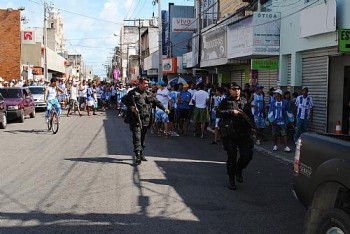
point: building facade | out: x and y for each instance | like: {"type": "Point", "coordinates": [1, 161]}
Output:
{"type": "Point", "coordinates": [10, 49]}
{"type": "Point", "coordinates": [310, 57]}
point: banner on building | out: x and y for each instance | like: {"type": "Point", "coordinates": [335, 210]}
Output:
{"type": "Point", "coordinates": [169, 65]}
{"type": "Point", "coordinates": [184, 25]}
{"type": "Point", "coordinates": [256, 35]}
{"type": "Point", "coordinates": [266, 36]}
{"type": "Point", "coordinates": [241, 38]}
{"type": "Point", "coordinates": [28, 37]}
{"type": "Point", "coordinates": [214, 47]}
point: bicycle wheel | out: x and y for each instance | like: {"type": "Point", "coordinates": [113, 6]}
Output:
{"type": "Point", "coordinates": [49, 122]}
{"type": "Point", "coordinates": [55, 122]}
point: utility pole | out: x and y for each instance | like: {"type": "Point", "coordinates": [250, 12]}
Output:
{"type": "Point", "coordinates": [199, 15]}
{"type": "Point", "coordinates": [160, 46]}
{"type": "Point", "coordinates": [45, 41]}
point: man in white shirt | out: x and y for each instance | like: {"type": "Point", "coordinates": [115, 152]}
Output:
{"type": "Point", "coordinates": [82, 94]}
{"type": "Point", "coordinates": [201, 100]}
{"type": "Point", "coordinates": [164, 98]}
{"type": "Point", "coordinates": [73, 100]}
{"type": "Point", "coordinates": [304, 105]}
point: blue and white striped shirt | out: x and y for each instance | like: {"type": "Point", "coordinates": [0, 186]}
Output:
{"type": "Point", "coordinates": [304, 106]}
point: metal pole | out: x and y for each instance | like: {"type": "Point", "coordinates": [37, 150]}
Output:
{"type": "Point", "coordinates": [160, 48]}
{"type": "Point", "coordinates": [45, 42]}
{"type": "Point", "coordinates": [199, 14]}
{"type": "Point", "coordinates": [140, 69]}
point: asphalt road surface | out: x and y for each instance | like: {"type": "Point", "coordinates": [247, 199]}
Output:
{"type": "Point", "coordinates": [83, 180]}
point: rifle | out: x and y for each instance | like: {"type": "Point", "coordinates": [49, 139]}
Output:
{"type": "Point", "coordinates": [137, 110]}
{"type": "Point", "coordinates": [246, 117]}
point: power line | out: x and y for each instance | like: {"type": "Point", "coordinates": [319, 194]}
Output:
{"type": "Point", "coordinates": [75, 13]}
{"type": "Point", "coordinates": [129, 9]}
{"type": "Point", "coordinates": [135, 8]}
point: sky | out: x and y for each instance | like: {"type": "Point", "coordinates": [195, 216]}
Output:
{"type": "Point", "coordinates": [90, 25]}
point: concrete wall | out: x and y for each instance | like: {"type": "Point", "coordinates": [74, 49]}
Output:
{"type": "Point", "coordinates": [10, 44]}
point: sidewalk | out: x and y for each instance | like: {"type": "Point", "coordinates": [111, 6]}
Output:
{"type": "Point", "coordinates": [266, 147]}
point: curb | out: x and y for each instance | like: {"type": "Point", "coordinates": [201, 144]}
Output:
{"type": "Point", "coordinates": [265, 151]}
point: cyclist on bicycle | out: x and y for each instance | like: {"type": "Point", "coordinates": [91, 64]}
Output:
{"type": "Point", "coordinates": [50, 97]}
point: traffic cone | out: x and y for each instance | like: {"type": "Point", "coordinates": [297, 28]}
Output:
{"type": "Point", "coordinates": [338, 128]}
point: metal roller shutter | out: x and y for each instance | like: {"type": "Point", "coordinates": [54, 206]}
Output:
{"type": "Point", "coordinates": [289, 77]}
{"type": "Point", "coordinates": [238, 77]}
{"type": "Point", "coordinates": [315, 74]}
{"type": "Point", "coordinates": [268, 79]}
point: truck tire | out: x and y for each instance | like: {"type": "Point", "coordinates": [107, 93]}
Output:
{"type": "Point", "coordinates": [334, 221]}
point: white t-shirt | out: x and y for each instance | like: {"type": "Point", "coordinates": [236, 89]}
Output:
{"type": "Point", "coordinates": [73, 93]}
{"type": "Point", "coordinates": [83, 93]}
{"type": "Point", "coordinates": [163, 97]}
{"type": "Point", "coordinates": [192, 91]}
{"type": "Point", "coordinates": [200, 97]}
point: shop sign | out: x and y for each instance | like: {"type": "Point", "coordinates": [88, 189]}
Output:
{"type": "Point", "coordinates": [152, 72]}
{"type": "Point", "coordinates": [28, 37]}
{"type": "Point", "coordinates": [266, 33]}
{"type": "Point", "coordinates": [344, 40]}
{"type": "Point", "coordinates": [241, 38]}
{"type": "Point", "coordinates": [214, 47]}
{"type": "Point", "coordinates": [184, 25]}
{"type": "Point", "coordinates": [264, 64]}
{"type": "Point", "coordinates": [187, 60]}
{"type": "Point", "coordinates": [169, 65]}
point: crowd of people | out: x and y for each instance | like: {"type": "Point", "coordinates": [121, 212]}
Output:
{"type": "Point", "coordinates": [287, 114]}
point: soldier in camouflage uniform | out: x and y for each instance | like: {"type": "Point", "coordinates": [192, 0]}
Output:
{"type": "Point", "coordinates": [139, 103]}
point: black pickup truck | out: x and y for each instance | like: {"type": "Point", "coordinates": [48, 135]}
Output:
{"type": "Point", "coordinates": [322, 182]}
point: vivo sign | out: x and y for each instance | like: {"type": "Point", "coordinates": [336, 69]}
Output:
{"type": "Point", "coordinates": [183, 25]}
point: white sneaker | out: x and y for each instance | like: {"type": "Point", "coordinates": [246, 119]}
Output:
{"type": "Point", "coordinates": [174, 134]}
{"type": "Point", "coordinates": [287, 149]}
{"type": "Point", "coordinates": [275, 148]}
{"type": "Point", "coordinates": [257, 142]}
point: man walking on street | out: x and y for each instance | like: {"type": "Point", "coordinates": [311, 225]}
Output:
{"type": "Point", "coordinates": [304, 105]}
{"type": "Point", "coordinates": [139, 103]}
{"type": "Point", "coordinates": [235, 128]}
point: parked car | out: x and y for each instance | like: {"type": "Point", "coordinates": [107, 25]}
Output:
{"type": "Point", "coordinates": [19, 102]}
{"type": "Point", "coordinates": [38, 94]}
{"type": "Point", "coordinates": [322, 181]}
{"type": "Point", "coordinates": [3, 115]}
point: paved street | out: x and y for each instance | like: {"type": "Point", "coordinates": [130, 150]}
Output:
{"type": "Point", "coordinates": [83, 180]}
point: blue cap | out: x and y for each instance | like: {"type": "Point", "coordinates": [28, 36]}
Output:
{"type": "Point", "coordinates": [259, 86]}
{"type": "Point", "coordinates": [162, 83]}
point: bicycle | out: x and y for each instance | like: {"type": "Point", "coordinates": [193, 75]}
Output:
{"type": "Point", "coordinates": [53, 120]}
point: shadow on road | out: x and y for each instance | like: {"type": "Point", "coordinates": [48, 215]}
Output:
{"type": "Point", "coordinates": [102, 160]}
{"type": "Point", "coordinates": [31, 131]}
{"type": "Point", "coordinates": [92, 223]}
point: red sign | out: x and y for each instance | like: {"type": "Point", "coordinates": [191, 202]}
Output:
{"type": "Point", "coordinates": [28, 36]}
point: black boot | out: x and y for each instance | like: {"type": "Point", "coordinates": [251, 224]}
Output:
{"type": "Point", "coordinates": [231, 185]}
{"type": "Point", "coordinates": [239, 176]}
{"type": "Point", "coordinates": [138, 158]}
{"type": "Point", "coordinates": [143, 158]}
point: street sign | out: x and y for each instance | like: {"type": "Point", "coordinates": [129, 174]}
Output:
{"type": "Point", "coordinates": [265, 64]}
{"type": "Point", "coordinates": [344, 40]}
